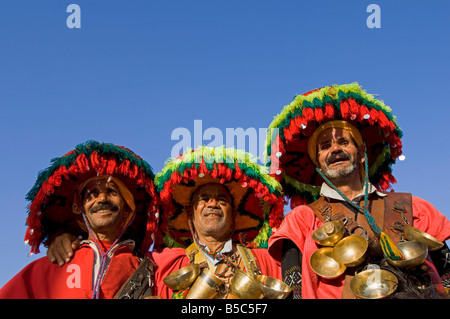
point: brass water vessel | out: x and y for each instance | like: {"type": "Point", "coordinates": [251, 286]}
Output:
{"type": "Point", "coordinates": [324, 265]}
{"type": "Point", "coordinates": [206, 286]}
{"type": "Point", "coordinates": [242, 286]}
{"type": "Point", "coordinates": [351, 251]}
{"type": "Point", "coordinates": [182, 278]}
{"type": "Point", "coordinates": [329, 233]}
{"type": "Point", "coordinates": [373, 283]}
{"type": "Point", "coordinates": [272, 287]}
{"type": "Point", "coordinates": [415, 253]}
{"type": "Point", "coordinates": [414, 234]}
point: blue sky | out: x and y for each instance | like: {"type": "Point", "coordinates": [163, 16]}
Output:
{"type": "Point", "coordinates": [137, 70]}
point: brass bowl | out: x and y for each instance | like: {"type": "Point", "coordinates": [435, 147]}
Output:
{"type": "Point", "coordinates": [329, 233]}
{"type": "Point", "coordinates": [414, 234]}
{"type": "Point", "coordinates": [182, 278]}
{"type": "Point", "coordinates": [324, 265]}
{"type": "Point", "coordinates": [272, 287]}
{"type": "Point", "coordinates": [373, 284]}
{"type": "Point", "coordinates": [242, 286]}
{"type": "Point", "coordinates": [415, 253]}
{"type": "Point", "coordinates": [351, 251]}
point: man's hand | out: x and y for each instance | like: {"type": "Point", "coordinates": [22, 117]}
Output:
{"type": "Point", "coordinates": [62, 248]}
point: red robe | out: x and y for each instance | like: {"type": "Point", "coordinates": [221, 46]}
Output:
{"type": "Point", "coordinates": [300, 223]}
{"type": "Point", "coordinates": [172, 259]}
{"type": "Point", "coordinates": [42, 279]}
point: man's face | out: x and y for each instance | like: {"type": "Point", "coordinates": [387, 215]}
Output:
{"type": "Point", "coordinates": [104, 207]}
{"type": "Point", "coordinates": [212, 211]}
{"type": "Point", "coordinates": [337, 154]}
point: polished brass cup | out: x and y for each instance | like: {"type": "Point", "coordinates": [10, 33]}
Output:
{"type": "Point", "coordinates": [351, 251]}
{"type": "Point", "coordinates": [415, 253]}
{"type": "Point", "coordinates": [242, 286]}
{"type": "Point", "coordinates": [272, 287]}
{"type": "Point", "coordinates": [414, 234]}
{"type": "Point", "coordinates": [373, 284]}
{"type": "Point", "coordinates": [324, 265]}
{"type": "Point", "coordinates": [182, 278]}
{"type": "Point", "coordinates": [329, 233]}
{"type": "Point", "coordinates": [206, 286]}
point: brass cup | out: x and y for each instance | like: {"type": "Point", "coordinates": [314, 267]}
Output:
{"type": "Point", "coordinates": [242, 286]}
{"type": "Point", "coordinates": [206, 286]}
{"type": "Point", "coordinates": [324, 265]}
{"type": "Point", "coordinates": [373, 284]}
{"type": "Point", "coordinates": [414, 234]}
{"type": "Point", "coordinates": [272, 287]}
{"type": "Point", "coordinates": [329, 233]}
{"type": "Point", "coordinates": [182, 278]}
{"type": "Point", "coordinates": [415, 253]}
{"type": "Point", "coordinates": [351, 251]}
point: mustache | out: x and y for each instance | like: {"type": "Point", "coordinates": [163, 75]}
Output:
{"type": "Point", "coordinates": [107, 205]}
{"type": "Point", "coordinates": [340, 155]}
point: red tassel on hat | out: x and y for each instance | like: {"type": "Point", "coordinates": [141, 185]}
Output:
{"type": "Point", "coordinates": [287, 134]}
{"type": "Point", "coordinates": [345, 110]}
{"type": "Point", "coordinates": [318, 114]}
{"type": "Point", "coordinates": [354, 106]}
{"type": "Point", "coordinates": [111, 167]}
{"type": "Point", "coordinates": [237, 171]}
{"type": "Point", "coordinates": [308, 114]}
{"type": "Point", "coordinates": [329, 111]}
{"type": "Point", "coordinates": [82, 164]}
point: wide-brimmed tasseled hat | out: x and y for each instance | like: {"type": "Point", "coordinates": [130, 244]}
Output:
{"type": "Point", "coordinates": [50, 211]}
{"type": "Point", "coordinates": [290, 131]}
{"type": "Point", "coordinates": [256, 196]}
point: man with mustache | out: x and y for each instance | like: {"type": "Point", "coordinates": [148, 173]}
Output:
{"type": "Point", "coordinates": [335, 152]}
{"type": "Point", "coordinates": [104, 194]}
{"type": "Point", "coordinates": [219, 210]}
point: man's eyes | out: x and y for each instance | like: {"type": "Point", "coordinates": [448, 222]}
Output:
{"type": "Point", "coordinates": [326, 146]}
{"type": "Point", "coordinates": [96, 193]}
{"type": "Point", "coordinates": [222, 201]}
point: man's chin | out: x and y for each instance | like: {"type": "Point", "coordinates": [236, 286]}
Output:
{"type": "Point", "coordinates": [339, 171]}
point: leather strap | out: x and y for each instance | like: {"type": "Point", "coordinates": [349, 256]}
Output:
{"type": "Point", "coordinates": [196, 256]}
{"type": "Point", "coordinates": [139, 285]}
{"type": "Point", "coordinates": [398, 209]}
{"type": "Point", "coordinates": [249, 261]}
